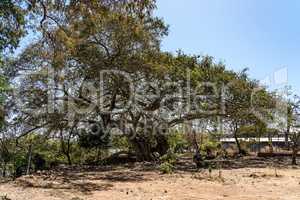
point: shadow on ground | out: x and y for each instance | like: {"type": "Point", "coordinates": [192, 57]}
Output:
{"type": "Point", "coordinates": [83, 179]}
{"type": "Point", "coordinates": [185, 164]}
{"type": "Point", "coordinates": [88, 179]}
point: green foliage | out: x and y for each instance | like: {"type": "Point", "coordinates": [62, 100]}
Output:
{"type": "Point", "coordinates": [166, 168]}
{"type": "Point", "coordinates": [210, 145]}
{"type": "Point", "coordinates": [177, 142]}
{"type": "Point", "coordinates": [19, 163]}
{"type": "Point", "coordinates": [94, 138]}
{"type": "Point", "coordinates": [12, 24]}
{"type": "Point", "coordinates": [12, 29]}
{"type": "Point", "coordinates": [79, 155]}
{"type": "Point", "coordinates": [170, 157]}
{"type": "Point", "coordinates": [168, 162]}
{"type": "Point", "coordinates": [121, 142]}
{"type": "Point", "coordinates": [82, 40]}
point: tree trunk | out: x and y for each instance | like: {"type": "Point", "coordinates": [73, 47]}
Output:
{"type": "Point", "coordinates": [198, 160]}
{"type": "Point", "coordinates": [286, 137]}
{"type": "Point", "coordinates": [162, 145]}
{"type": "Point", "coordinates": [67, 154]}
{"type": "Point", "coordinates": [142, 149]}
{"type": "Point", "coordinates": [29, 160]}
{"type": "Point", "coordinates": [259, 145]}
{"type": "Point", "coordinates": [69, 159]}
{"type": "Point", "coordinates": [271, 149]}
{"type": "Point", "coordinates": [66, 150]}
{"type": "Point", "coordinates": [241, 151]}
{"type": "Point", "coordinates": [98, 155]}
{"type": "Point", "coordinates": [4, 169]}
{"type": "Point", "coordinates": [294, 156]}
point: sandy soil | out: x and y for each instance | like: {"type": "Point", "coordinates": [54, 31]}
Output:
{"type": "Point", "coordinates": [137, 183]}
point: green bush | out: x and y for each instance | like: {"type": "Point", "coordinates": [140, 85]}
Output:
{"type": "Point", "coordinates": [177, 142]}
{"type": "Point", "coordinates": [20, 164]}
{"type": "Point", "coordinates": [210, 145]}
{"type": "Point", "coordinates": [169, 157]}
{"type": "Point", "coordinates": [211, 148]}
{"type": "Point", "coordinates": [166, 168]}
{"type": "Point", "coordinates": [121, 142]}
{"type": "Point", "coordinates": [168, 162]}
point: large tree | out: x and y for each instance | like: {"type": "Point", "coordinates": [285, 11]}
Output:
{"type": "Point", "coordinates": [98, 64]}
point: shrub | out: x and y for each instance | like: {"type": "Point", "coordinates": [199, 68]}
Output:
{"type": "Point", "coordinates": [167, 162]}
{"type": "Point", "coordinates": [39, 162]}
{"type": "Point", "coordinates": [177, 142]}
{"type": "Point", "coordinates": [210, 149]}
{"type": "Point", "coordinates": [169, 157]}
{"type": "Point", "coordinates": [166, 168]}
{"type": "Point", "coordinates": [121, 142]}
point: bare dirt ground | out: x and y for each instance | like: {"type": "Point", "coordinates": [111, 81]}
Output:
{"type": "Point", "coordinates": [142, 182]}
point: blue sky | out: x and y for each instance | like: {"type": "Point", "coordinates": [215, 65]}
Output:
{"type": "Point", "coordinates": [263, 35]}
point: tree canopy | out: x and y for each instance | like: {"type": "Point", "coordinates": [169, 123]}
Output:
{"type": "Point", "coordinates": [98, 67]}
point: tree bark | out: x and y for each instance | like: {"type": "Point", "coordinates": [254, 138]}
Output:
{"type": "Point", "coordinates": [29, 160]}
{"type": "Point", "coordinates": [198, 160]}
{"type": "Point", "coordinates": [66, 150]}
{"type": "Point", "coordinates": [142, 148]}
{"type": "Point", "coordinates": [240, 150]}
{"type": "Point", "coordinates": [294, 156]}
{"type": "Point", "coordinates": [98, 155]}
{"type": "Point", "coordinates": [69, 159]}
{"type": "Point", "coordinates": [286, 137]}
{"type": "Point", "coordinates": [4, 169]}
